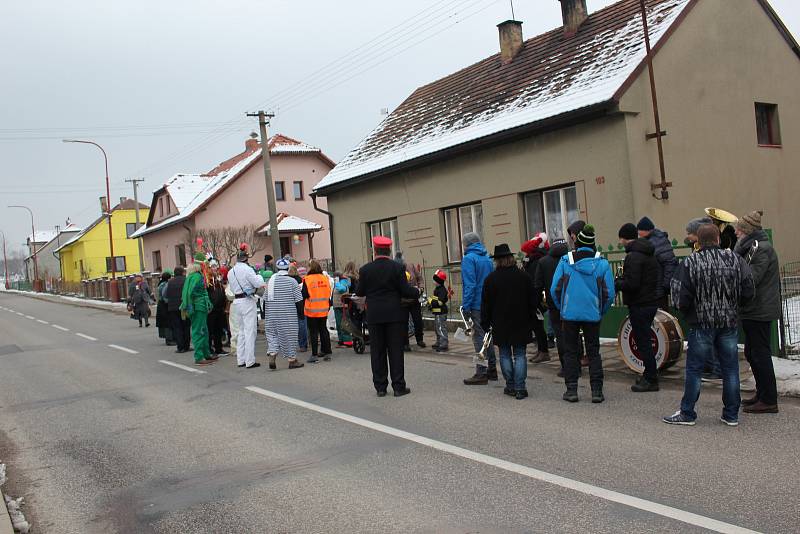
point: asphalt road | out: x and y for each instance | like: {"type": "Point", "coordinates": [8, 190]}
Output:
{"type": "Point", "coordinates": [100, 439]}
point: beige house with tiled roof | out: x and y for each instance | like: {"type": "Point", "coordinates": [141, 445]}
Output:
{"type": "Point", "coordinates": [555, 129]}
{"type": "Point", "coordinates": [234, 195]}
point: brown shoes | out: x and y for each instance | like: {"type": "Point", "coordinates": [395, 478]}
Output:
{"type": "Point", "coordinates": [760, 407]}
{"type": "Point", "coordinates": [749, 402]}
{"type": "Point", "coordinates": [477, 380]}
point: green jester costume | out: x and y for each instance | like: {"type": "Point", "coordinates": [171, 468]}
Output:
{"type": "Point", "coordinates": [196, 304]}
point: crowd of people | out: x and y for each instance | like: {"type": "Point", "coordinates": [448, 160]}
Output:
{"type": "Point", "coordinates": [729, 281]}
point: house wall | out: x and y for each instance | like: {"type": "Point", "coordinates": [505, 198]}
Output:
{"type": "Point", "coordinates": [496, 177]}
{"type": "Point", "coordinates": [49, 265]}
{"type": "Point", "coordinates": [93, 249]}
{"type": "Point", "coordinates": [724, 57]}
{"type": "Point", "coordinates": [165, 241]}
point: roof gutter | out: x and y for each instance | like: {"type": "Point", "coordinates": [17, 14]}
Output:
{"type": "Point", "coordinates": [558, 122]}
{"type": "Point", "coordinates": [313, 196]}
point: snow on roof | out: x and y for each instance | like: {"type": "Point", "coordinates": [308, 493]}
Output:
{"type": "Point", "coordinates": [42, 236]}
{"type": "Point", "coordinates": [551, 75]}
{"type": "Point", "coordinates": [290, 223]}
{"type": "Point", "coordinates": [190, 191]}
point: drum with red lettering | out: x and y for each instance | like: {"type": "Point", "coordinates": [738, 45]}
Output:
{"type": "Point", "coordinates": [666, 336]}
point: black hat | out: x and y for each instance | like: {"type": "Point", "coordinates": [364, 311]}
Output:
{"type": "Point", "coordinates": [501, 251]}
{"type": "Point", "coordinates": [646, 225]}
{"type": "Point", "coordinates": [586, 237]}
{"type": "Point", "coordinates": [628, 231]}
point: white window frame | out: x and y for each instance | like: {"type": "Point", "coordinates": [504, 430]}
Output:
{"type": "Point", "coordinates": [378, 226]}
{"type": "Point", "coordinates": [477, 226]}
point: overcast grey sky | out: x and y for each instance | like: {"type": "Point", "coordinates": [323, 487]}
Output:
{"type": "Point", "coordinates": [163, 84]}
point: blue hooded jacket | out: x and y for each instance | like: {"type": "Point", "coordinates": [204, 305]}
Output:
{"type": "Point", "coordinates": [475, 267]}
{"type": "Point", "coordinates": [583, 290]}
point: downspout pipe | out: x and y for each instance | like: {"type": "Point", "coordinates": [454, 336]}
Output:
{"type": "Point", "coordinates": [330, 229]}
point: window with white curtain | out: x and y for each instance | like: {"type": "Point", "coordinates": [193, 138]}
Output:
{"type": "Point", "coordinates": [551, 211]}
{"type": "Point", "coordinates": [458, 222]}
{"type": "Point", "coordinates": [385, 228]}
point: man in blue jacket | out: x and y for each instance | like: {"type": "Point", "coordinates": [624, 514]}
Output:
{"type": "Point", "coordinates": [475, 267]}
{"type": "Point", "coordinates": [583, 291]}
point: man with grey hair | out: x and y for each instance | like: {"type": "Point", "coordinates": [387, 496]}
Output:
{"type": "Point", "coordinates": [475, 267]}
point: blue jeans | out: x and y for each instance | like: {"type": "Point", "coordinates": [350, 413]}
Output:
{"type": "Point", "coordinates": [514, 367]}
{"type": "Point", "coordinates": [702, 342]}
{"type": "Point", "coordinates": [477, 342]}
{"type": "Point", "coordinates": [302, 333]}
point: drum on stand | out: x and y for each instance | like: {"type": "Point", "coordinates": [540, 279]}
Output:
{"type": "Point", "coordinates": [666, 336]}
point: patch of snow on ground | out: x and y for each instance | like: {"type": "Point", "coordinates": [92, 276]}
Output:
{"type": "Point", "coordinates": [787, 375]}
{"type": "Point", "coordinates": [17, 517]}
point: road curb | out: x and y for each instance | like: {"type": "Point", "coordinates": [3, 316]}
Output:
{"type": "Point", "coordinates": [5, 518]}
{"type": "Point", "coordinates": [78, 302]}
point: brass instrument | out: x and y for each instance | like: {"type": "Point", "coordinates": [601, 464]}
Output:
{"type": "Point", "coordinates": [467, 322]}
{"type": "Point", "coordinates": [480, 357]}
{"type": "Point", "coordinates": [721, 217]}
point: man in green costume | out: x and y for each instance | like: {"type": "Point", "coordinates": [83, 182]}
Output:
{"type": "Point", "coordinates": [196, 305]}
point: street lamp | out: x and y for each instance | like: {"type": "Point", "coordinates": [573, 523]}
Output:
{"type": "Point", "coordinates": [5, 262]}
{"type": "Point", "coordinates": [33, 248]}
{"type": "Point", "coordinates": [113, 290]}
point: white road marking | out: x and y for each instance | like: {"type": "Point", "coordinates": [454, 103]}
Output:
{"type": "Point", "coordinates": [40, 321]}
{"type": "Point", "coordinates": [60, 328]}
{"type": "Point", "coordinates": [123, 349]}
{"type": "Point", "coordinates": [84, 336]}
{"type": "Point", "coordinates": [184, 367]}
{"type": "Point", "coordinates": [536, 474]}
{"type": "Point", "coordinates": [20, 314]}
{"type": "Point", "coordinates": [31, 317]}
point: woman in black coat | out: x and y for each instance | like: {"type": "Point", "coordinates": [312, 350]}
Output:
{"type": "Point", "coordinates": [509, 309]}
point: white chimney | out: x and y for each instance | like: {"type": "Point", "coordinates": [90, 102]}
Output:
{"type": "Point", "coordinates": [574, 13]}
{"type": "Point", "coordinates": [510, 40]}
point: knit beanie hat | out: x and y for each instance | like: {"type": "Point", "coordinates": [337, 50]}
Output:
{"type": "Point", "coordinates": [646, 225]}
{"type": "Point", "coordinates": [470, 238]}
{"type": "Point", "coordinates": [282, 264]}
{"type": "Point", "coordinates": [695, 224]}
{"type": "Point", "coordinates": [750, 223]}
{"type": "Point", "coordinates": [586, 237]}
{"type": "Point", "coordinates": [628, 231]}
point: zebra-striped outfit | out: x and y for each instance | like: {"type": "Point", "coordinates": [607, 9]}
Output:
{"type": "Point", "coordinates": [281, 326]}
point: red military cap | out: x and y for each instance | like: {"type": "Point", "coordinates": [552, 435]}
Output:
{"type": "Point", "coordinates": [380, 241]}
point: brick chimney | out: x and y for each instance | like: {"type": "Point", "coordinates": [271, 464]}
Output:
{"type": "Point", "coordinates": [510, 40]}
{"type": "Point", "coordinates": [574, 13]}
{"type": "Point", "coordinates": [251, 144]}
{"type": "Point", "coordinates": [122, 200]}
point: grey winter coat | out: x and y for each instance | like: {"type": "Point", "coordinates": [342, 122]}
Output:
{"type": "Point", "coordinates": [763, 260]}
{"type": "Point", "coordinates": [666, 258]}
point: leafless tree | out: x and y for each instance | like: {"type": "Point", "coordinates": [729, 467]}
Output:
{"type": "Point", "coordinates": [224, 242]}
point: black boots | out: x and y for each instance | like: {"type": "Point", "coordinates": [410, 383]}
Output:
{"type": "Point", "coordinates": [644, 385]}
{"type": "Point", "coordinates": [597, 394]}
{"type": "Point", "coordinates": [571, 395]}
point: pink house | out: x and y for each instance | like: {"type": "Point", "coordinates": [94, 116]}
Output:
{"type": "Point", "coordinates": [233, 196]}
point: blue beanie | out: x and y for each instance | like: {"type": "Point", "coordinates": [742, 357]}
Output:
{"type": "Point", "coordinates": [646, 225]}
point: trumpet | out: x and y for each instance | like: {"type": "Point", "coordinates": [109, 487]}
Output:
{"type": "Point", "coordinates": [487, 342]}
{"type": "Point", "coordinates": [467, 322]}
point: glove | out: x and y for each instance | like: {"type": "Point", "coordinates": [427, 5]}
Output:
{"type": "Point", "coordinates": [184, 315]}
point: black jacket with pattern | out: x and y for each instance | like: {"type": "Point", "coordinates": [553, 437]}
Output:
{"type": "Point", "coordinates": [709, 286]}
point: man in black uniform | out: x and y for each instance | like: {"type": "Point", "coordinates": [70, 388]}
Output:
{"type": "Point", "coordinates": [383, 282]}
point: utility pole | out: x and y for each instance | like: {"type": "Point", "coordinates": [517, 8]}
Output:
{"type": "Point", "coordinates": [5, 263]}
{"type": "Point", "coordinates": [263, 123]}
{"type": "Point", "coordinates": [135, 182]}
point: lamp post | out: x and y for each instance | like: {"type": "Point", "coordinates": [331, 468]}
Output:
{"type": "Point", "coordinates": [113, 289]}
{"type": "Point", "coordinates": [33, 249]}
{"type": "Point", "coordinates": [5, 262]}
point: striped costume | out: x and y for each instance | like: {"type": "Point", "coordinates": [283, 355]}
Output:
{"type": "Point", "coordinates": [281, 325]}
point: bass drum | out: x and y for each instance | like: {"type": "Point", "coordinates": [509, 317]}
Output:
{"type": "Point", "coordinates": [665, 334]}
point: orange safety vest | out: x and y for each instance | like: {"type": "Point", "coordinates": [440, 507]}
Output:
{"type": "Point", "coordinates": [319, 291]}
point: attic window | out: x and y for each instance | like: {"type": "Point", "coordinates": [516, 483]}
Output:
{"type": "Point", "coordinates": [768, 127]}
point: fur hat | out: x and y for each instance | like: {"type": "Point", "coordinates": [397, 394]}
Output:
{"type": "Point", "coordinates": [628, 231]}
{"type": "Point", "coordinates": [576, 227]}
{"type": "Point", "coordinates": [646, 225]}
{"type": "Point", "coordinates": [750, 223]}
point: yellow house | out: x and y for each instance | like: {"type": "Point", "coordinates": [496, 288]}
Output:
{"type": "Point", "coordinates": [87, 256]}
